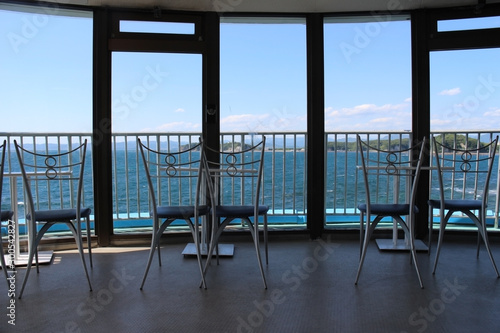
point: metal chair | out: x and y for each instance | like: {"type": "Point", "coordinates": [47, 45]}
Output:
{"type": "Point", "coordinates": [390, 181]}
{"type": "Point", "coordinates": [174, 181]}
{"type": "Point", "coordinates": [235, 189]}
{"type": "Point", "coordinates": [5, 215]}
{"type": "Point", "coordinates": [57, 180]}
{"type": "Point", "coordinates": [469, 165]}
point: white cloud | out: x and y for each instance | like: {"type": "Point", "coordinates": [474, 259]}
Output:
{"type": "Point", "coordinates": [451, 92]}
{"type": "Point", "coordinates": [382, 120]}
{"type": "Point", "coordinates": [363, 109]}
{"type": "Point", "coordinates": [178, 126]}
{"type": "Point", "coordinates": [440, 122]}
{"type": "Point", "coordinates": [180, 110]}
{"type": "Point", "coordinates": [492, 113]}
{"type": "Point", "coordinates": [369, 117]}
{"type": "Point", "coordinates": [267, 122]}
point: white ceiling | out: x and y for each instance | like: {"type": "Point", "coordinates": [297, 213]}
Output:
{"type": "Point", "coordinates": [279, 6]}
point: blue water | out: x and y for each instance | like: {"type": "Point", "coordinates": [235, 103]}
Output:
{"type": "Point", "coordinates": [285, 192]}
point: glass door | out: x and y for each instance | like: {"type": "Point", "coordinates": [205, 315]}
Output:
{"type": "Point", "coordinates": [157, 97]}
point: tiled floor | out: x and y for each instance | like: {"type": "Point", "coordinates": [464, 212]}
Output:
{"type": "Point", "coordinates": [310, 289]}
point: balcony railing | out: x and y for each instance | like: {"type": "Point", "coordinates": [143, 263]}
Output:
{"type": "Point", "coordinates": [285, 180]}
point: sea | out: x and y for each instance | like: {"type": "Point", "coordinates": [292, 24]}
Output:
{"type": "Point", "coordinates": [284, 186]}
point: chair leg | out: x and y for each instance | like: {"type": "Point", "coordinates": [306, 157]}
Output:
{"type": "Point", "coordinates": [33, 245]}
{"type": "Point", "coordinates": [431, 222]}
{"type": "Point", "coordinates": [214, 239]}
{"type": "Point", "coordinates": [361, 232]}
{"type": "Point", "coordinates": [31, 254]}
{"type": "Point", "coordinates": [265, 239]}
{"type": "Point", "coordinates": [415, 262]}
{"type": "Point", "coordinates": [154, 241]}
{"type": "Point", "coordinates": [442, 227]}
{"type": "Point", "coordinates": [155, 231]}
{"type": "Point", "coordinates": [364, 240]}
{"type": "Point", "coordinates": [196, 238]}
{"type": "Point", "coordinates": [36, 255]}
{"type": "Point", "coordinates": [89, 241]}
{"type": "Point", "coordinates": [255, 233]}
{"type": "Point", "coordinates": [77, 233]}
{"type": "Point", "coordinates": [414, 255]}
{"type": "Point", "coordinates": [482, 231]}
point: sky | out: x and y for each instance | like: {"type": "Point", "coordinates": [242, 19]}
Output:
{"type": "Point", "coordinates": [46, 79]}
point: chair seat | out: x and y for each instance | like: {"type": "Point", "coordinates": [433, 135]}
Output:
{"type": "Point", "coordinates": [457, 205]}
{"type": "Point", "coordinates": [6, 215]}
{"type": "Point", "coordinates": [60, 215]}
{"type": "Point", "coordinates": [387, 209]}
{"type": "Point", "coordinates": [238, 211]}
{"type": "Point", "coordinates": [180, 212]}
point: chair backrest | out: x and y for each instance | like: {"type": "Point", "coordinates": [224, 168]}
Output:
{"type": "Point", "coordinates": [464, 172]}
{"type": "Point", "coordinates": [173, 176]}
{"type": "Point", "coordinates": [391, 175]}
{"type": "Point", "coordinates": [52, 180]}
{"type": "Point", "coordinates": [237, 173]}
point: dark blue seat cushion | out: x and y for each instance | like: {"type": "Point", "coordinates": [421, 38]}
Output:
{"type": "Point", "coordinates": [60, 215]}
{"type": "Point", "coordinates": [6, 215]}
{"type": "Point", "coordinates": [457, 204]}
{"type": "Point", "coordinates": [388, 209]}
{"type": "Point", "coordinates": [180, 212]}
{"type": "Point", "coordinates": [239, 211]}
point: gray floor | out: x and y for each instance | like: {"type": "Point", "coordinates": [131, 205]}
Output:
{"type": "Point", "coordinates": [311, 289]}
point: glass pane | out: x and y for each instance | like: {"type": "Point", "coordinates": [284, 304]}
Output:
{"type": "Point", "coordinates": [469, 24]}
{"type": "Point", "coordinates": [367, 88]}
{"type": "Point", "coordinates": [157, 96]}
{"type": "Point", "coordinates": [46, 71]}
{"type": "Point", "coordinates": [45, 90]}
{"type": "Point", "coordinates": [156, 92]}
{"type": "Point", "coordinates": [465, 90]}
{"type": "Point", "coordinates": [465, 112]}
{"type": "Point", "coordinates": [368, 76]}
{"type": "Point", "coordinates": [263, 90]}
{"type": "Point", "coordinates": [263, 77]}
{"type": "Point", "coordinates": [157, 27]}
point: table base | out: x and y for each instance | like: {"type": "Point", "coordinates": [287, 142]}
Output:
{"type": "Point", "coordinates": [388, 245]}
{"type": "Point", "coordinates": [225, 250]}
{"type": "Point", "coordinates": [44, 258]}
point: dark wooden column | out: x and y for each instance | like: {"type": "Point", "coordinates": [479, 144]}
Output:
{"type": "Point", "coordinates": [101, 130]}
{"type": "Point", "coordinates": [211, 83]}
{"type": "Point", "coordinates": [421, 109]}
{"type": "Point", "coordinates": [315, 126]}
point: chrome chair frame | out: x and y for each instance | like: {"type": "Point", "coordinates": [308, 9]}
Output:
{"type": "Point", "coordinates": [169, 166]}
{"type": "Point", "coordinates": [234, 167]}
{"type": "Point", "coordinates": [55, 169]}
{"type": "Point", "coordinates": [393, 166]}
{"type": "Point", "coordinates": [465, 162]}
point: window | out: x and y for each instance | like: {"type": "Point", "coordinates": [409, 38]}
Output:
{"type": "Point", "coordinates": [45, 87]}
{"type": "Point", "coordinates": [469, 24]}
{"type": "Point", "coordinates": [156, 92]}
{"type": "Point", "coordinates": [46, 67]}
{"type": "Point", "coordinates": [263, 75]}
{"type": "Point", "coordinates": [465, 90]}
{"type": "Point", "coordinates": [157, 27]}
{"type": "Point", "coordinates": [156, 96]}
{"type": "Point", "coordinates": [367, 88]}
{"type": "Point", "coordinates": [367, 75]}
{"type": "Point", "coordinates": [263, 80]}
